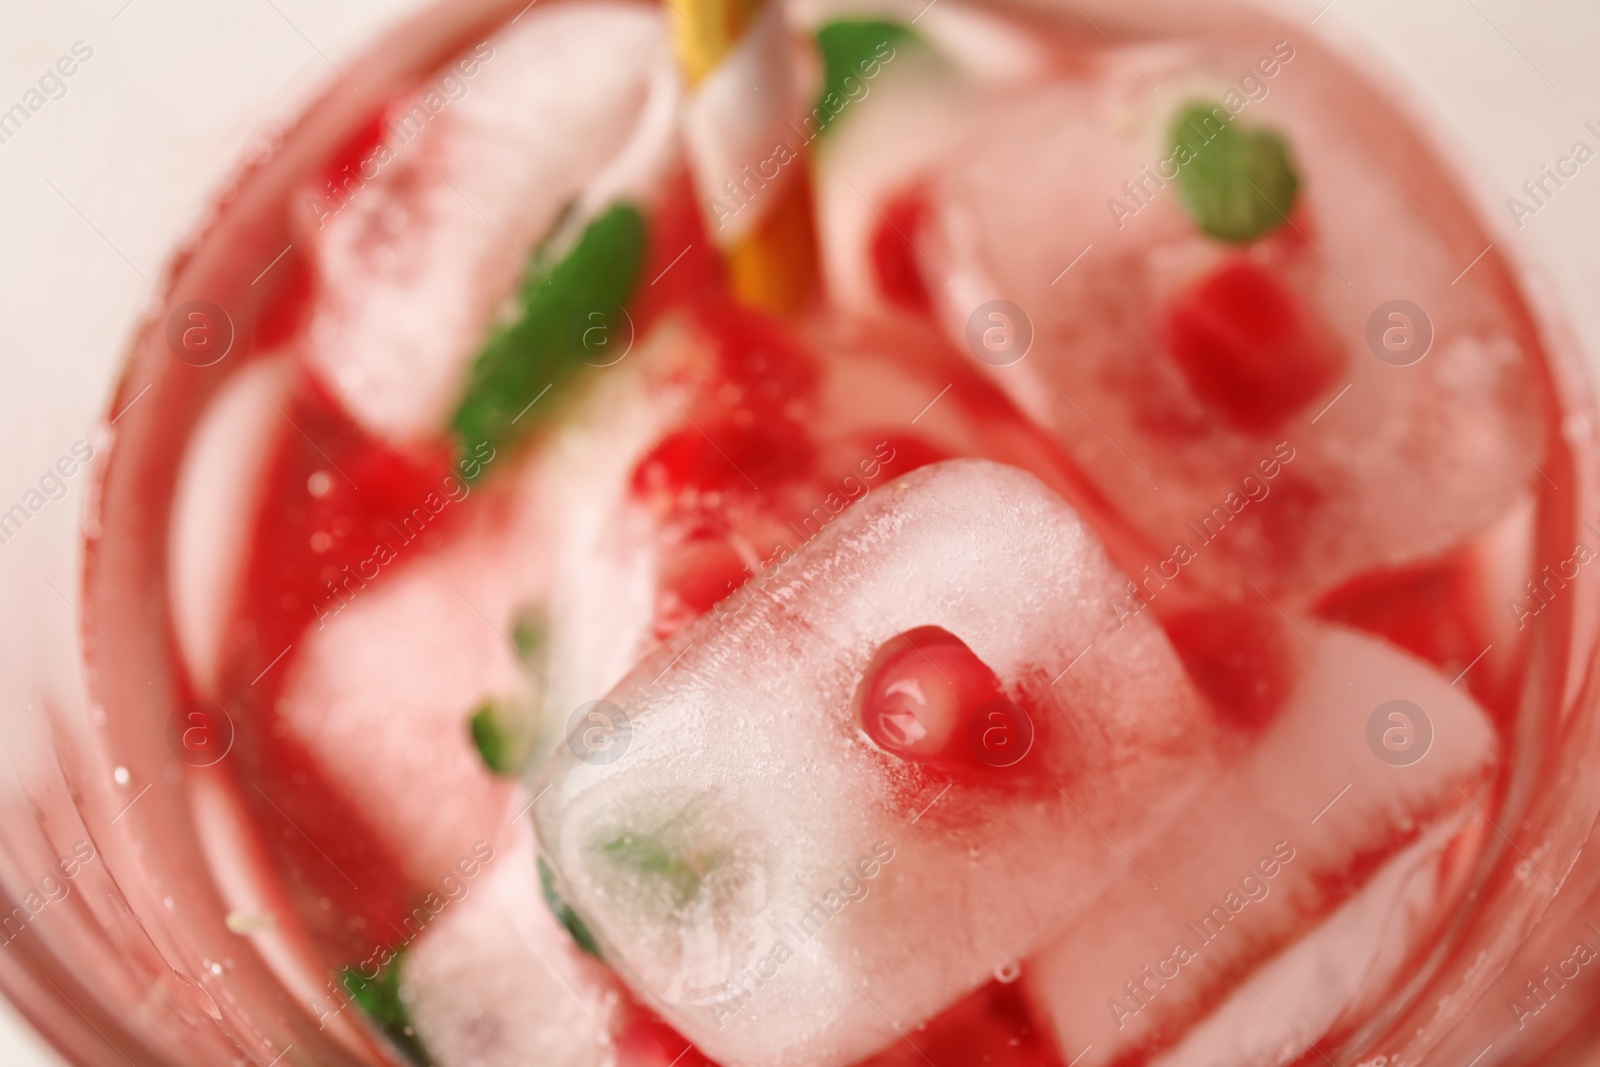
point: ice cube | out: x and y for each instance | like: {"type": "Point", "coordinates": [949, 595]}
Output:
{"type": "Point", "coordinates": [218, 491]}
{"type": "Point", "coordinates": [1372, 749]}
{"type": "Point", "coordinates": [1325, 980]}
{"type": "Point", "coordinates": [572, 103]}
{"type": "Point", "coordinates": [783, 891]}
{"type": "Point", "coordinates": [496, 981]}
{"type": "Point", "coordinates": [1378, 464]}
{"type": "Point", "coordinates": [380, 695]}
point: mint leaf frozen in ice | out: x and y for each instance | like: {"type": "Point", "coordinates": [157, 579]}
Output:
{"type": "Point", "coordinates": [570, 316]}
{"type": "Point", "coordinates": [1236, 184]}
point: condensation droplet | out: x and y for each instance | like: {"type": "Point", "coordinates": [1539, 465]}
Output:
{"type": "Point", "coordinates": [121, 776]}
{"type": "Point", "coordinates": [1007, 973]}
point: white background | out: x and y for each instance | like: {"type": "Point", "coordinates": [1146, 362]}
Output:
{"type": "Point", "coordinates": [100, 184]}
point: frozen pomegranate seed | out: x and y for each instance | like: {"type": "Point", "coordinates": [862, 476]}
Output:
{"type": "Point", "coordinates": [1248, 346]}
{"type": "Point", "coordinates": [1240, 657]}
{"type": "Point", "coordinates": [927, 697]}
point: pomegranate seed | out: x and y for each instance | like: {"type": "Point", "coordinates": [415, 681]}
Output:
{"type": "Point", "coordinates": [1240, 658]}
{"type": "Point", "coordinates": [725, 458]}
{"type": "Point", "coordinates": [928, 698]}
{"type": "Point", "coordinates": [1248, 346]}
{"type": "Point", "coordinates": [894, 256]}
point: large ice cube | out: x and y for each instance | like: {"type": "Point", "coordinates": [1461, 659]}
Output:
{"type": "Point", "coordinates": [380, 695]}
{"type": "Point", "coordinates": [1299, 822]}
{"type": "Point", "coordinates": [1407, 462]}
{"type": "Point", "coordinates": [1348, 963]}
{"type": "Point", "coordinates": [573, 103]}
{"type": "Point", "coordinates": [782, 891]}
{"type": "Point", "coordinates": [496, 981]}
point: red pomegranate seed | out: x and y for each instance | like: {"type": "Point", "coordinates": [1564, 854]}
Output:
{"type": "Point", "coordinates": [725, 458]}
{"type": "Point", "coordinates": [896, 262]}
{"type": "Point", "coordinates": [1249, 347]}
{"type": "Point", "coordinates": [1240, 657]}
{"type": "Point", "coordinates": [928, 698]}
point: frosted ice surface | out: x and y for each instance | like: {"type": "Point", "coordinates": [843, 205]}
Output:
{"type": "Point", "coordinates": [416, 261]}
{"type": "Point", "coordinates": [495, 981]}
{"type": "Point", "coordinates": [1408, 462]}
{"type": "Point", "coordinates": [380, 696]}
{"type": "Point", "coordinates": [1327, 977]}
{"type": "Point", "coordinates": [785, 893]}
{"type": "Point", "coordinates": [1291, 825]}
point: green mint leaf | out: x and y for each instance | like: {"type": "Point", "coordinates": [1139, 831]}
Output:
{"type": "Point", "coordinates": [1236, 184]}
{"type": "Point", "coordinates": [570, 317]}
{"type": "Point", "coordinates": [380, 999]}
{"type": "Point", "coordinates": [854, 53]}
{"type": "Point", "coordinates": [498, 745]}
{"type": "Point", "coordinates": [675, 866]}
{"type": "Point", "coordinates": [564, 914]}
{"type": "Point", "coordinates": [527, 634]}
